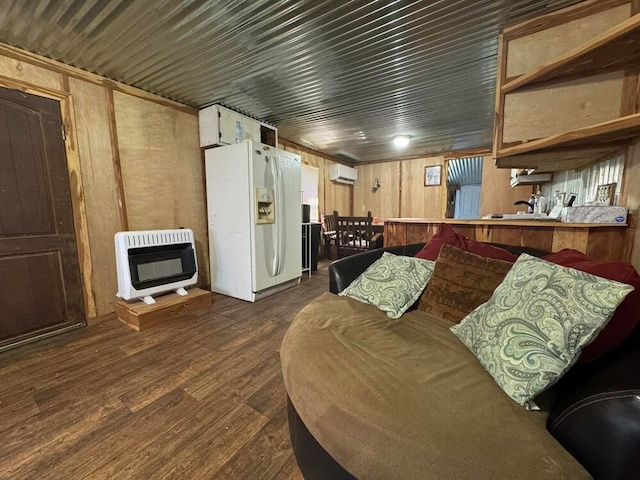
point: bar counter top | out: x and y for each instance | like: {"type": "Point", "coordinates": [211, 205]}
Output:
{"type": "Point", "coordinates": [604, 241]}
{"type": "Point", "coordinates": [497, 222]}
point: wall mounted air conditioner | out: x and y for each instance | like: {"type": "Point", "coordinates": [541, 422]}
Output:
{"type": "Point", "coordinates": [343, 174]}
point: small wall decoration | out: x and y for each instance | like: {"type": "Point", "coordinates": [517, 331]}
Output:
{"type": "Point", "coordinates": [432, 176]}
{"type": "Point", "coordinates": [605, 194]}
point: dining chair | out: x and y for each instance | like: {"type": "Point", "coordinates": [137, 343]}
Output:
{"type": "Point", "coordinates": [328, 232]}
{"type": "Point", "coordinates": [354, 234]}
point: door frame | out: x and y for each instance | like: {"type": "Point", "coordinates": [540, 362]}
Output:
{"type": "Point", "coordinates": [75, 179]}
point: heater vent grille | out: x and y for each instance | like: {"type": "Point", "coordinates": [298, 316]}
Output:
{"type": "Point", "coordinates": [149, 239]}
{"type": "Point", "coordinates": [159, 269]}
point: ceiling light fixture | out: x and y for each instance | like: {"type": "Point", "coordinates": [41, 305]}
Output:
{"type": "Point", "coordinates": [401, 140]}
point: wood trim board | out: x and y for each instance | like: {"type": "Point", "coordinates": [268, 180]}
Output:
{"type": "Point", "coordinates": [78, 201]}
{"type": "Point", "coordinates": [612, 131]}
{"type": "Point", "coordinates": [559, 17]}
{"type": "Point", "coordinates": [117, 167]}
{"type": "Point", "coordinates": [629, 104]}
{"type": "Point", "coordinates": [31, 88]}
{"type": "Point", "coordinates": [499, 105]}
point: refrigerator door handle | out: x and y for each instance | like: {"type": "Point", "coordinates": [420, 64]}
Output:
{"type": "Point", "coordinates": [280, 216]}
{"type": "Point", "coordinates": [276, 234]}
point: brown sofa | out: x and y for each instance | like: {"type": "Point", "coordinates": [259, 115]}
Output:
{"type": "Point", "coordinates": [372, 397]}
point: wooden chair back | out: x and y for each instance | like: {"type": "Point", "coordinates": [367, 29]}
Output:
{"type": "Point", "coordinates": [328, 233]}
{"type": "Point", "coordinates": [354, 234]}
{"type": "Point", "coordinates": [329, 224]}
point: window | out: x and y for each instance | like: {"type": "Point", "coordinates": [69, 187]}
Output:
{"type": "Point", "coordinates": [310, 190]}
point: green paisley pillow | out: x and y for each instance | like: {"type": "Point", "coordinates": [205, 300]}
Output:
{"type": "Point", "coordinates": [532, 329]}
{"type": "Point", "coordinates": [392, 283]}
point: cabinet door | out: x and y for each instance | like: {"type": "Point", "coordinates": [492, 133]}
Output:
{"type": "Point", "coordinates": [230, 127]}
{"type": "Point", "coordinates": [251, 129]}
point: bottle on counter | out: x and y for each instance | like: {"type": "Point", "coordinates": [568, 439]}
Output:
{"type": "Point", "coordinates": [532, 204]}
{"type": "Point", "coordinates": [540, 203]}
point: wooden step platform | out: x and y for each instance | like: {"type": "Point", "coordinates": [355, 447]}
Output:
{"type": "Point", "coordinates": [140, 316]}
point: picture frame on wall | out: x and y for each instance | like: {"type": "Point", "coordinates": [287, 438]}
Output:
{"type": "Point", "coordinates": [433, 176]}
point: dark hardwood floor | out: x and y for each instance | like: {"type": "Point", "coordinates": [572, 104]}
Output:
{"type": "Point", "coordinates": [195, 398]}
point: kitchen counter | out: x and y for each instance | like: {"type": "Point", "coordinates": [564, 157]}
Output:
{"type": "Point", "coordinates": [606, 241]}
{"type": "Point", "coordinates": [520, 223]}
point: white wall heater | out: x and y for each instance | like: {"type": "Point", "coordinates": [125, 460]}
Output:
{"type": "Point", "coordinates": [151, 262]}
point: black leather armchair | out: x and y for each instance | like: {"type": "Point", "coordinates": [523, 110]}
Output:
{"type": "Point", "coordinates": [596, 415]}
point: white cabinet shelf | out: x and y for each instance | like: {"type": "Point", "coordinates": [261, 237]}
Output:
{"type": "Point", "coordinates": [222, 126]}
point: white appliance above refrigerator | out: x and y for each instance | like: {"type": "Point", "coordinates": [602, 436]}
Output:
{"type": "Point", "coordinates": [253, 205]}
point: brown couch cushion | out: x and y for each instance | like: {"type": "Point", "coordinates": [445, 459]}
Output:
{"type": "Point", "coordinates": [461, 282]}
{"type": "Point", "coordinates": [405, 399]}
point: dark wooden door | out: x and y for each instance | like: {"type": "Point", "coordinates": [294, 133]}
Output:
{"type": "Point", "coordinates": [40, 285]}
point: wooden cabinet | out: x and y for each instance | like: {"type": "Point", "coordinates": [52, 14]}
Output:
{"type": "Point", "coordinates": [567, 92]}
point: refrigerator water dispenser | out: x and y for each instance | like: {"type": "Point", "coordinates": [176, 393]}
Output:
{"type": "Point", "coordinates": [265, 208]}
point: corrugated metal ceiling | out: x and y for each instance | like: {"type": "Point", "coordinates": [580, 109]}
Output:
{"type": "Point", "coordinates": [465, 171]}
{"type": "Point", "coordinates": [336, 76]}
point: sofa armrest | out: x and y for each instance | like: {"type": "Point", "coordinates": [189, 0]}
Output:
{"type": "Point", "coordinates": [344, 271]}
{"type": "Point", "coordinates": [596, 416]}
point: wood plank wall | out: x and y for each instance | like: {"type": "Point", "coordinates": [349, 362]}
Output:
{"type": "Point", "coordinates": [385, 202]}
{"type": "Point", "coordinates": [162, 170]}
{"type": "Point", "coordinates": [496, 194]}
{"type": "Point", "coordinates": [139, 159]}
{"type": "Point", "coordinates": [416, 200]}
{"type": "Point", "coordinates": [332, 195]}
{"type": "Point", "coordinates": [402, 193]}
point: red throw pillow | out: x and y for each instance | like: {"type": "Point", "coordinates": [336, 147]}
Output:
{"type": "Point", "coordinates": [627, 315]}
{"type": "Point", "coordinates": [444, 235]}
{"type": "Point", "coordinates": [489, 251]}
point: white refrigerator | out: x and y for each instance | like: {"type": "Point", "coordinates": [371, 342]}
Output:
{"type": "Point", "coordinates": [254, 216]}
